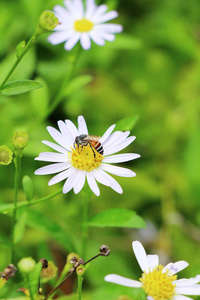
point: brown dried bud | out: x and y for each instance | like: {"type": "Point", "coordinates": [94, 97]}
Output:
{"type": "Point", "coordinates": [81, 261]}
{"type": "Point", "coordinates": [44, 262]}
{"type": "Point", "coordinates": [104, 250]}
{"type": "Point", "coordinates": [73, 260]}
{"type": "Point", "coordinates": [9, 272]}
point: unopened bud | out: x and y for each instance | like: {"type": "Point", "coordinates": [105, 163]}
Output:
{"type": "Point", "coordinates": [6, 155]}
{"type": "Point", "coordinates": [47, 22]}
{"type": "Point", "coordinates": [104, 250]}
{"type": "Point", "coordinates": [72, 256]}
{"type": "Point", "coordinates": [20, 140]}
{"type": "Point", "coordinates": [44, 262]}
{"type": "Point", "coordinates": [26, 265]}
{"type": "Point", "coordinates": [49, 272]}
{"type": "Point", "coordinates": [25, 291]}
{"type": "Point", "coordinates": [9, 272]}
{"type": "Point", "coordinates": [80, 270]}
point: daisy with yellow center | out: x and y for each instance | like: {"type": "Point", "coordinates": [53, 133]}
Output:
{"type": "Point", "coordinates": [77, 22]}
{"type": "Point", "coordinates": [83, 157]}
{"type": "Point", "coordinates": [159, 282]}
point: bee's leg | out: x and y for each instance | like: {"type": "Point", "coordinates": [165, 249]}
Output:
{"type": "Point", "coordinates": [92, 150]}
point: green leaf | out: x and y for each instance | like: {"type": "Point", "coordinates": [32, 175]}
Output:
{"type": "Point", "coordinates": [34, 278]}
{"type": "Point", "coordinates": [17, 87]}
{"type": "Point", "coordinates": [53, 229]}
{"type": "Point", "coordinates": [76, 84]}
{"type": "Point", "coordinates": [127, 123]}
{"type": "Point", "coordinates": [28, 187]}
{"type": "Point", "coordinates": [117, 217]}
{"type": "Point", "coordinates": [19, 228]}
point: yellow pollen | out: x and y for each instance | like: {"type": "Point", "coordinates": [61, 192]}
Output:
{"type": "Point", "coordinates": [83, 158]}
{"type": "Point", "coordinates": [83, 25]}
{"type": "Point", "coordinates": [159, 285]}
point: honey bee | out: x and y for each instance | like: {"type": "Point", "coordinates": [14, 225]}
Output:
{"type": "Point", "coordinates": [91, 140]}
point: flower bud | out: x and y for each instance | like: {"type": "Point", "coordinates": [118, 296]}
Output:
{"type": "Point", "coordinates": [47, 22]}
{"type": "Point", "coordinates": [26, 265]}
{"type": "Point", "coordinates": [6, 155]}
{"type": "Point", "coordinates": [80, 270]}
{"type": "Point", "coordinates": [20, 140]}
{"type": "Point", "coordinates": [49, 272]}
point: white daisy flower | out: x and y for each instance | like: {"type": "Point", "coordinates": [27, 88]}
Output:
{"type": "Point", "coordinates": [84, 24]}
{"type": "Point", "coordinates": [158, 282]}
{"type": "Point", "coordinates": [81, 156]}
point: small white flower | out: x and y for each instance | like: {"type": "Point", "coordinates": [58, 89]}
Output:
{"type": "Point", "coordinates": [84, 24]}
{"type": "Point", "coordinates": [158, 282]}
{"type": "Point", "coordinates": [75, 162]}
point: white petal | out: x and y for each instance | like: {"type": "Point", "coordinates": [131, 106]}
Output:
{"type": "Point", "coordinates": [59, 37]}
{"type": "Point", "coordinates": [61, 13]}
{"type": "Point", "coordinates": [90, 8]}
{"type": "Point", "coordinates": [122, 280]}
{"type": "Point", "coordinates": [100, 10]}
{"type": "Point", "coordinates": [181, 297]}
{"type": "Point", "coordinates": [107, 180]}
{"type": "Point", "coordinates": [185, 281]}
{"type": "Point", "coordinates": [120, 157]}
{"type": "Point", "coordinates": [82, 127]}
{"type": "Point", "coordinates": [119, 171]}
{"type": "Point", "coordinates": [106, 17]}
{"type": "Point", "coordinates": [119, 147]}
{"type": "Point", "coordinates": [92, 184]}
{"type": "Point", "coordinates": [72, 128]}
{"type": "Point", "coordinates": [176, 267]}
{"type": "Point", "coordinates": [61, 176]}
{"type": "Point", "coordinates": [107, 134]}
{"type": "Point", "coordinates": [57, 136]}
{"type": "Point", "coordinates": [115, 139]}
{"type": "Point", "coordinates": [85, 41]}
{"type": "Point", "coordinates": [153, 261]}
{"type": "Point", "coordinates": [53, 168]}
{"type": "Point", "coordinates": [188, 290]}
{"type": "Point", "coordinates": [80, 181]}
{"type": "Point", "coordinates": [52, 157]}
{"type": "Point", "coordinates": [55, 147]}
{"type": "Point", "coordinates": [106, 36]}
{"type": "Point", "coordinates": [69, 183]}
{"type": "Point", "coordinates": [112, 28]}
{"type": "Point", "coordinates": [67, 136]}
{"type": "Point", "coordinates": [96, 38]}
{"type": "Point", "coordinates": [141, 256]}
{"type": "Point", "coordinates": [75, 8]}
{"type": "Point", "coordinates": [150, 298]}
{"type": "Point", "coordinates": [72, 41]}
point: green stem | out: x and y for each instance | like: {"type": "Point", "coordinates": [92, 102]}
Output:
{"type": "Point", "coordinates": [10, 207]}
{"type": "Point", "coordinates": [79, 290]}
{"type": "Point", "coordinates": [27, 47]}
{"type": "Point", "coordinates": [16, 187]}
{"type": "Point", "coordinates": [85, 217]}
{"type": "Point", "coordinates": [64, 83]}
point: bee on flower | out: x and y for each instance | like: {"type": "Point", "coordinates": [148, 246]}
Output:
{"type": "Point", "coordinates": [77, 22]}
{"type": "Point", "coordinates": [82, 157]}
{"type": "Point", "coordinates": [159, 282]}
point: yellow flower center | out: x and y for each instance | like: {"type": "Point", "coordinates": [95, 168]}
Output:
{"type": "Point", "coordinates": [83, 25]}
{"type": "Point", "coordinates": [85, 158]}
{"type": "Point", "coordinates": [159, 285]}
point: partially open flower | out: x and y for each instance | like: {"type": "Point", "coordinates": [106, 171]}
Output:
{"type": "Point", "coordinates": [84, 24]}
{"type": "Point", "coordinates": [159, 282]}
{"type": "Point", "coordinates": [81, 156]}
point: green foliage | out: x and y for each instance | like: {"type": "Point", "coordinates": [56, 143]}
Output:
{"type": "Point", "coordinates": [146, 82]}
{"type": "Point", "coordinates": [17, 87]}
{"type": "Point", "coordinates": [117, 217]}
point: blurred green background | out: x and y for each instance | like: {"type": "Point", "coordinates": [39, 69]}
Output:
{"type": "Point", "coordinates": [150, 73]}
